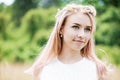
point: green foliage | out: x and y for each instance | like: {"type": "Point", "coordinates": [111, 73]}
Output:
{"type": "Point", "coordinates": [24, 43]}
{"type": "Point", "coordinates": [108, 27]}
{"type": "Point", "coordinates": [37, 19]}
{"type": "Point", "coordinates": [20, 7]}
{"type": "Point", "coordinates": [109, 53]}
{"type": "Point", "coordinates": [115, 3]}
{"type": "Point", "coordinates": [41, 37]}
{"type": "Point", "coordinates": [49, 3]}
{"type": "Point", "coordinates": [2, 7]}
{"type": "Point", "coordinates": [2, 22]}
{"type": "Point", "coordinates": [3, 25]}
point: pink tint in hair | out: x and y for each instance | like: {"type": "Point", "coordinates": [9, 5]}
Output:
{"type": "Point", "coordinates": [54, 44]}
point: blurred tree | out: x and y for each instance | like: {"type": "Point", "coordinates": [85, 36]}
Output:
{"type": "Point", "coordinates": [92, 2]}
{"type": "Point", "coordinates": [37, 19]}
{"type": "Point", "coordinates": [115, 3]}
{"type": "Point", "coordinates": [1, 7]}
{"type": "Point", "coordinates": [20, 7]}
{"type": "Point", "coordinates": [3, 22]}
{"type": "Point", "coordinates": [108, 28]}
{"type": "Point", "coordinates": [49, 3]}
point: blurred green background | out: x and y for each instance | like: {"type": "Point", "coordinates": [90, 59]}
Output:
{"type": "Point", "coordinates": [25, 27]}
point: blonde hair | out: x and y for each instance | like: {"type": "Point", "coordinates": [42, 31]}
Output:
{"type": "Point", "coordinates": [54, 44]}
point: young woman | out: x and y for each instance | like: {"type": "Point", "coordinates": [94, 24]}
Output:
{"type": "Point", "coordinates": [69, 53]}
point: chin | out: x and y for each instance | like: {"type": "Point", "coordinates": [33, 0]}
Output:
{"type": "Point", "coordinates": [79, 49]}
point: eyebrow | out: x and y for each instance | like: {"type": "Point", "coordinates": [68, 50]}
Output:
{"type": "Point", "coordinates": [77, 24]}
{"type": "Point", "coordinates": [80, 25]}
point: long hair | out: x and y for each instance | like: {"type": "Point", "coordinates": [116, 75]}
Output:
{"type": "Point", "coordinates": [54, 44]}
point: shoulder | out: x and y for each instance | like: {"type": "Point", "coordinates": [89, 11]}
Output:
{"type": "Point", "coordinates": [89, 62]}
{"type": "Point", "coordinates": [49, 70]}
{"type": "Point", "coordinates": [52, 63]}
{"type": "Point", "coordinates": [50, 66]}
{"type": "Point", "coordinates": [89, 65]}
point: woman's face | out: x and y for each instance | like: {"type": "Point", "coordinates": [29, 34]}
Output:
{"type": "Point", "coordinates": [76, 31]}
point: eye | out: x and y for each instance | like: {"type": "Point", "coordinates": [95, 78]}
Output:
{"type": "Point", "coordinates": [87, 29]}
{"type": "Point", "coordinates": [75, 27]}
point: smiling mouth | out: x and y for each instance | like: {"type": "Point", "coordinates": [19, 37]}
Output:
{"type": "Point", "coordinates": [79, 41]}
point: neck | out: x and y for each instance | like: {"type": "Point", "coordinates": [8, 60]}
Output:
{"type": "Point", "coordinates": [68, 55]}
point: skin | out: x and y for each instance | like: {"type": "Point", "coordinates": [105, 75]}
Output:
{"type": "Point", "coordinates": [76, 34]}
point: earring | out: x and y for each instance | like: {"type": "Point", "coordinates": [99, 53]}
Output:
{"type": "Point", "coordinates": [61, 35]}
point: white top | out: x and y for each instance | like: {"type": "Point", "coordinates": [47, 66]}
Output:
{"type": "Point", "coordinates": [84, 69]}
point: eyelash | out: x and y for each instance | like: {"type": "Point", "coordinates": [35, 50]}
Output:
{"type": "Point", "coordinates": [75, 27]}
{"type": "Point", "coordinates": [87, 29]}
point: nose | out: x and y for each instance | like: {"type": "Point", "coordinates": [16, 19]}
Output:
{"type": "Point", "coordinates": [81, 33]}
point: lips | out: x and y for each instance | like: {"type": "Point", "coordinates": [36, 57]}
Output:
{"type": "Point", "coordinates": [79, 41]}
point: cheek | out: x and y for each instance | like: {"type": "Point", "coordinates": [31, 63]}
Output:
{"type": "Point", "coordinates": [68, 35]}
{"type": "Point", "coordinates": [88, 36]}
{"type": "Point", "coordinates": [68, 32]}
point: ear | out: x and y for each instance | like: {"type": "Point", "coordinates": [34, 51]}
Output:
{"type": "Point", "coordinates": [61, 30]}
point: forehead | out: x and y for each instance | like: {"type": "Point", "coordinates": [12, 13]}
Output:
{"type": "Point", "coordinates": [80, 18]}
